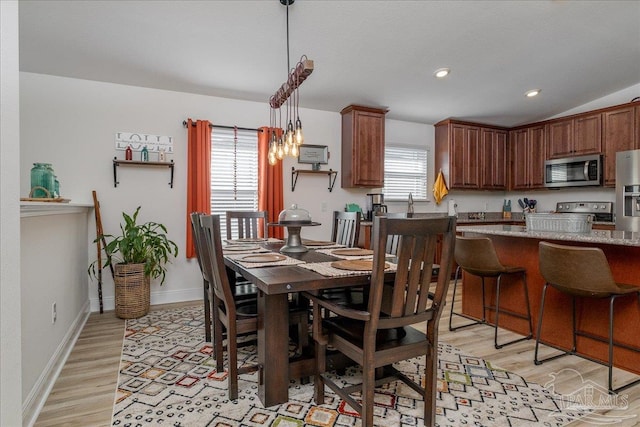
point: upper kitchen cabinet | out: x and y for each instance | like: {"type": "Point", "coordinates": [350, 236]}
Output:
{"type": "Point", "coordinates": [493, 159]}
{"type": "Point", "coordinates": [471, 156]}
{"type": "Point", "coordinates": [528, 148]}
{"type": "Point", "coordinates": [621, 128]}
{"type": "Point", "coordinates": [575, 136]}
{"type": "Point", "coordinates": [362, 146]}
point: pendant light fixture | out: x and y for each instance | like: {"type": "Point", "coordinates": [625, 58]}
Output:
{"type": "Point", "coordinates": [287, 142]}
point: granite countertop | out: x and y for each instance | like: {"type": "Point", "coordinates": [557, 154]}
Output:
{"type": "Point", "coordinates": [608, 237]}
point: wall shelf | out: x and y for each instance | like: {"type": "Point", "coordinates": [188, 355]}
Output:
{"type": "Point", "coordinates": [117, 162]}
{"type": "Point", "coordinates": [295, 172]}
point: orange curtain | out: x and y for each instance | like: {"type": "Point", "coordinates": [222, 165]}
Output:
{"type": "Point", "coordinates": [270, 186]}
{"type": "Point", "coordinates": [198, 174]}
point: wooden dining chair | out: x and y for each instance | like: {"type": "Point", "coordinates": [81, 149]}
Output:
{"type": "Point", "coordinates": [236, 317]}
{"type": "Point", "coordinates": [202, 253]}
{"type": "Point", "coordinates": [346, 228]}
{"type": "Point", "coordinates": [249, 224]}
{"type": "Point", "coordinates": [380, 335]}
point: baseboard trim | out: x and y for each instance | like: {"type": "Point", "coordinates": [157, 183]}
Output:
{"type": "Point", "coordinates": [37, 397]}
{"type": "Point", "coordinates": [163, 297]}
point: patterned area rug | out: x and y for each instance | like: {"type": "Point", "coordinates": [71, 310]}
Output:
{"type": "Point", "coordinates": [167, 377]}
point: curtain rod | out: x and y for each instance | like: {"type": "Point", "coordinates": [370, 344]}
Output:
{"type": "Point", "coordinates": [184, 123]}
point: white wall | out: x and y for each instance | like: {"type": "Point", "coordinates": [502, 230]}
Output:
{"type": "Point", "coordinates": [71, 123]}
{"type": "Point", "coordinates": [10, 329]}
{"type": "Point", "coordinates": [53, 270]}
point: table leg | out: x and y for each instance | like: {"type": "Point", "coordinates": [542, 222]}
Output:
{"type": "Point", "coordinates": [273, 348]}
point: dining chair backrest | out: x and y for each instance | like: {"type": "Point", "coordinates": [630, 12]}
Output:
{"type": "Point", "coordinates": [346, 228]}
{"type": "Point", "coordinates": [214, 265]}
{"type": "Point", "coordinates": [408, 302]}
{"type": "Point", "coordinates": [198, 236]}
{"type": "Point", "coordinates": [575, 270]}
{"type": "Point", "coordinates": [393, 241]}
{"type": "Point", "coordinates": [250, 224]}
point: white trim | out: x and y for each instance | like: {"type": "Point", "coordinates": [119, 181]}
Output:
{"type": "Point", "coordinates": [37, 397]}
{"type": "Point", "coordinates": [51, 208]}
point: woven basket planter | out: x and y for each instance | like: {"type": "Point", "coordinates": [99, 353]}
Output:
{"type": "Point", "coordinates": [132, 291]}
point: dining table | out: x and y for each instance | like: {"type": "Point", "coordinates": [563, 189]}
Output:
{"type": "Point", "coordinates": [309, 271]}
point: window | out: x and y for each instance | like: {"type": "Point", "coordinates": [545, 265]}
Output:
{"type": "Point", "coordinates": [234, 172]}
{"type": "Point", "coordinates": [405, 171]}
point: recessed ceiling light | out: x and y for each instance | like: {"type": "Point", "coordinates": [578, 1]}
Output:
{"type": "Point", "coordinates": [442, 72]}
{"type": "Point", "coordinates": [531, 93]}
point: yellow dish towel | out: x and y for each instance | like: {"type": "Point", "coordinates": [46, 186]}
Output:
{"type": "Point", "coordinates": [440, 189]}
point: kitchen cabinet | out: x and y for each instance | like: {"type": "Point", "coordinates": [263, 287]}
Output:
{"type": "Point", "coordinates": [463, 152]}
{"type": "Point", "coordinates": [362, 147]}
{"type": "Point", "coordinates": [493, 159]}
{"type": "Point", "coordinates": [620, 133]}
{"type": "Point", "coordinates": [577, 136]}
{"type": "Point", "coordinates": [528, 148]}
{"type": "Point", "coordinates": [471, 156]}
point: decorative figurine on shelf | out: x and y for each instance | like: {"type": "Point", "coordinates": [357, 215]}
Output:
{"type": "Point", "coordinates": [162, 156]}
{"type": "Point", "coordinates": [144, 154]}
{"type": "Point", "coordinates": [128, 153]}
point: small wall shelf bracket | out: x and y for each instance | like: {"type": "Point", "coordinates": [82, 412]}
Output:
{"type": "Point", "coordinates": [117, 163]}
{"type": "Point", "coordinates": [295, 172]}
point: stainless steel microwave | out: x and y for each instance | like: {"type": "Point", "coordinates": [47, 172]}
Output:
{"type": "Point", "coordinates": [573, 171]}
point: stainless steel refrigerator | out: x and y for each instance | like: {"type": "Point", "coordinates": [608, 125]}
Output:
{"type": "Point", "coordinates": [628, 190]}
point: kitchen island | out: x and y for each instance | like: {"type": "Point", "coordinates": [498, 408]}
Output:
{"type": "Point", "coordinates": [517, 246]}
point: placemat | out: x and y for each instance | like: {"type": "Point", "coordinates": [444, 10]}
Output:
{"type": "Point", "coordinates": [237, 258]}
{"type": "Point", "coordinates": [355, 264]}
{"type": "Point", "coordinates": [242, 249]}
{"type": "Point", "coordinates": [326, 269]}
{"type": "Point", "coordinates": [317, 244]}
{"type": "Point", "coordinates": [249, 240]}
{"type": "Point", "coordinates": [329, 251]}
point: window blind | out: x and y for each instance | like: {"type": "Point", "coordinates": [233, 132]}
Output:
{"type": "Point", "coordinates": [405, 171]}
{"type": "Point", "coordinates": [234, 173]}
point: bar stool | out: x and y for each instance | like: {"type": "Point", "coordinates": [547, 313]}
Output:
{"type": "Point", "coordinates": [581, 272]}
{"type": "Point", "coordinates": [477, 256]}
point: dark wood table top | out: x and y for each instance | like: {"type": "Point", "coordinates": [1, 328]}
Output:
{"type": "Point", "coordinates": [293, 278]}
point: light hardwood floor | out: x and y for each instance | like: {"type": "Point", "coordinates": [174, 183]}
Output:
{"type": "Point", "coordinates": [84, 392]}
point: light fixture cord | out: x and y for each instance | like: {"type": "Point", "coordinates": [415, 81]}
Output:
{"type": "Point", "coordinates": [288, 62]}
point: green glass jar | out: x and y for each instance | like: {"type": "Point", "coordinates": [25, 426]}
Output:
{"type": "Point", "coordinates": [42, 181]}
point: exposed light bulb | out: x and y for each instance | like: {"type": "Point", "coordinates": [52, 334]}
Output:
{"type": "Point", "coordinates": [272, 159]}
{"type": "Point", "coordinates": [299, 134]}
{"type": "Point", "coordinates": [280, 150]}
{"type": "Point", "coordinates": [294, 150]}
{"type": "Point", "coordinates": [287, 148]}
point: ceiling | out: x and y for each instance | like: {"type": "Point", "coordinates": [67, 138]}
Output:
{"type": "Point", "coordinates": [375, 53]}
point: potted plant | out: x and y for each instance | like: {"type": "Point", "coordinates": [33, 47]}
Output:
{"type": "Point", "coordinates": [140, 253]}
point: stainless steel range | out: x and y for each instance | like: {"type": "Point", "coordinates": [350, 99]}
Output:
{"type": "Point", "coordinates": [602, 211]}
